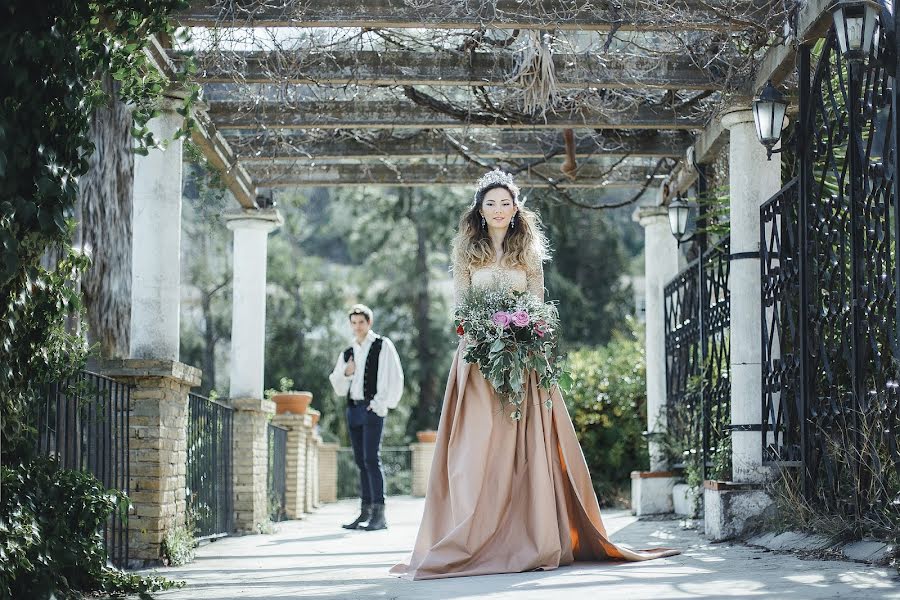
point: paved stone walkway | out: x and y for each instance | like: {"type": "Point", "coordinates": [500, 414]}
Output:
{"type": "Point", "coordinates": [315, 558]}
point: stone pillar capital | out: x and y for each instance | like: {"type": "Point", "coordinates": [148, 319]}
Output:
{"type": "Point", "coordinates": [737, 114]}
{"type": "Point", "coordinates": [263, 219]}
{"type": "Point", "coordinates": [263, 406]}
{"type": "Point", "coordinates": [652, 215]}
{"type": "Point", "coordinates": [138, 368]}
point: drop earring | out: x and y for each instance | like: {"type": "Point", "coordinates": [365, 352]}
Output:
{"type": "Point", "coordinates": [512, 222]}
{"type": "Point", "coordinates": [483, 222]}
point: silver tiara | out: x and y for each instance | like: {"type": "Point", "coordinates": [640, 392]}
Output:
{"type": "Point", "coordinates": [498, 177]}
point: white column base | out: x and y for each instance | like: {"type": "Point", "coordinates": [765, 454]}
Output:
{"type": "Point", "coordinates": [733, 510]}
{"type": "Point", "coordinates": [684, 500]}
{"type": "Point", "coordinates": [651, 492]}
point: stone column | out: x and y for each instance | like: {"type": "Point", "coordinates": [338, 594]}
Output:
{"type": "Point", "coordinates": [753, 180]}
{"type": "Point", "coordinates": [251, 463]}
{"type": "Point", "coordinates": [156, 242]}
{"type": "Point", "coordinates": [731, 506]}
{"type": "Point", "coordinates": [251, 411]}
{"type": "Point", "coordinates": [312, 472]}
{"type": "Point", "coordinates": [651, 491]}
{"type": "Point", "coordinates": [248, 318]}
{"type": "Point", "coordinates": [157, 452]}
{"type": "Point", "coordinates": [328, 473]}
{"type": "Point", "coordinates": [422, 457]}
{"type": "Point", "coordinates": [158, 400]}
{"type": "Point", "coordinates": [298, 427]}
{"type": "Point", "coordinates": [314, 469]}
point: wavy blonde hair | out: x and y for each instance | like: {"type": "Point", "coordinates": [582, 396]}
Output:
{"type": "Point", "coordinates": [524, 245]}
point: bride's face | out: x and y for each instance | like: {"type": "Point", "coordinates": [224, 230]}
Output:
{"type": "Point", "coordinates": [498, 208]}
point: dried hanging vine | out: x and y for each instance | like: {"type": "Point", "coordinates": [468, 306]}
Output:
{"type": "Point", "coordinates": [529, 73]}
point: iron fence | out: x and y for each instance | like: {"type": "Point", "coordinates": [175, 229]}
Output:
{"type": "Point", "coordinates": [830, 290]}
{"type": "Point", "coordinates": [277, 474]}
{"type": "Point", "coordinates": [396, 462]}
{"type": "Point", "coordinates": [698, 389]}
{"type": "Point", "coordinates": [209, 467]}
{"type": "Point", "coordinates": [780, 262]}
{"type": "Point", "coordinates": [84, 423]}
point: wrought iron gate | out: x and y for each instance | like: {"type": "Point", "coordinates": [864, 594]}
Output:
{"type": "Point", "coordinates": [209, 467]}
{"type": "Point", "coordinates": [698, 388]}
{"type": "Point", "coordinates": [84, 423]}
{"type": "Point", "coordinates": [830, 281]}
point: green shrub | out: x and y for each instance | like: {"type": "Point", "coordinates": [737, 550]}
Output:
{"type": "Point", "coordinates": [608, 402]}
{"type": "Point", "coordinates": [50, 540]}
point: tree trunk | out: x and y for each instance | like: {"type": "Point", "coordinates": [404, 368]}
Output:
{"type": "Point", "coordinates": [105, 197]}
{"type": "Point", "coordinates": [426, 415]}
{"type": "Point", "coordinates": [209, 343]}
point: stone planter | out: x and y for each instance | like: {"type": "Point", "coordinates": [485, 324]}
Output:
{"type": "Point", "coordinates": [295, 403]}
{"type": "Point", "coordinates": [314, 414]}
{"type": "Point", "coordinates": [426, 437]}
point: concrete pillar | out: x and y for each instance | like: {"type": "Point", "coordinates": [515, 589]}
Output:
{"type": "Point", "coordinates": [328, 473]}
{"type": "Point", "coordinates": [248, 317]}
{"type": "Point", "coordinates": [731, 507]}
{"type": "Point", "coordinates": [651, 491]}
{"type": "Point", "coordinates": [660, 266]}
{"type": "Point", "coordinates": [753, 180]}
{"type": "Point", "coordinates": [422, 457]}
{"type": "Point", "coordinates": [314, 470]}
{"type": "Point", "coordinates": [251, 463]}
{"type": "Point", "coordinates": [158, 399]}
{"type": "Point", "coordinates": [299, 427]}
{"type": "Point", "coordinates": [157, 450]}
{"type": "Point", "coordinates": [310, 500]}
{"type": "Point", "coordinates": [156, 243]}
{"type": "Point", "coordinates": [248, 327]}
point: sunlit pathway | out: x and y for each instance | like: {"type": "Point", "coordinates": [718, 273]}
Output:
{"type": "Point", "coordinates": [315, 558]}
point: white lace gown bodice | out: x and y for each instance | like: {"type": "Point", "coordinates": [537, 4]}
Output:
{"type": "Point", "coordinates": [528, 278]}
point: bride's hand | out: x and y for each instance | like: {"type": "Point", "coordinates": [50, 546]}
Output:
{"type": "Point", "coordinates": [351, 367]}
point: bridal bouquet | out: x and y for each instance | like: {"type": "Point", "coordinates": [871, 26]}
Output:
{"type": "Point", "coordinates": [510, 333]}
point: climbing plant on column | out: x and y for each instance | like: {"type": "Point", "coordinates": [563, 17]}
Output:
{"type": "Point", "coordinates": [53, 57]}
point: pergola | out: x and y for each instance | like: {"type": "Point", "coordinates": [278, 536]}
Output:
{"type": "Point", "coordinates": [599, 103]}
{"type": "Point", "coordinates": [577, 97]}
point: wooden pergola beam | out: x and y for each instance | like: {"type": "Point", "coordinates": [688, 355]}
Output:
{"type": "Point", "coordinates": [448, 68]}
{"type": "Point", "coordinates": [813, 21]}
{"type": "Point", "coordinates": [212, 144]}
{"type": "Point", "coordinates": [381, 115]}
{"type": "Point", "coordinates": [589, 176]}
{"type": "Point", "coordinates": [632, 15]}
{"type": "Point", "coordinates": [509, 144]}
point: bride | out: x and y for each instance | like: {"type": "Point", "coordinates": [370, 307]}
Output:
{"type": "Point", "coordinates": [505, 496]}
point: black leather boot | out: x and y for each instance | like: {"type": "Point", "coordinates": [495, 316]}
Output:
{"type": "Point", "coordinates": [365, 514]}
{"type": "Point", "coordinates": [377, 521]}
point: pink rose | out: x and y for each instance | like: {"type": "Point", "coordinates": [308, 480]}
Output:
{"type": "Point", "coordinates": [520, 318]}
{"type": "Point", "coordinates": [501, 318]}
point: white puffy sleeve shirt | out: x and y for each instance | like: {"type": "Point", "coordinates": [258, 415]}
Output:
{"type": "Point", "coordinates": [390, 375]}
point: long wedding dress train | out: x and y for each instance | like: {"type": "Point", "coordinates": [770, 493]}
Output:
{"type": "Point", "coordinates": [506, 496]}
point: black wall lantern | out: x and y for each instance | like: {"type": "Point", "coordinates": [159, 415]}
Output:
{"type": "Point", "coordinates": [679, 211]}
{"type": "Point", "coordinates": [855, 24]}
{"type": "Point", "coordinates": [768, 115]}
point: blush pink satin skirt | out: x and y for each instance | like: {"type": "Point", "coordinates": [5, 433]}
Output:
{"type": "Point", "coordinates": [506, 496]}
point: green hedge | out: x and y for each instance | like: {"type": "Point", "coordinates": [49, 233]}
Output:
{"type": "Point", "coordinates": [51, 543]}
{"type": "Point", "coordinates": [608, 404]}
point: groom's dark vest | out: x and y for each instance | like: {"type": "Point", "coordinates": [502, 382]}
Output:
{"type": "Point", "coordinates": [370, 374]}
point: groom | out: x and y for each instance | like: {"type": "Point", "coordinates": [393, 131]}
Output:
{"type": "Point", "coordinates": [369, 374]}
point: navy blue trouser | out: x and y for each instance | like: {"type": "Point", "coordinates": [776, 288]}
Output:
{"type": "Point", "coordinates": [365, 436]}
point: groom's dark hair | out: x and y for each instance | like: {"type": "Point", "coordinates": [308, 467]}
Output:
{"type": "Point", "coordinates": [362, 309]}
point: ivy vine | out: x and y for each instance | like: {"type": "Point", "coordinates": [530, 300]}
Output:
{"type": "Point", "coordinates": [54, 55]}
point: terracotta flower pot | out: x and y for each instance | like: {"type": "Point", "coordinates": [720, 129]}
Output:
{"type": "Point", "coordinates": [315, 415]}
{"type": "Point", "coordinates": [426, 437]}
{"type": "Point", "coordinates": [295, 403]}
